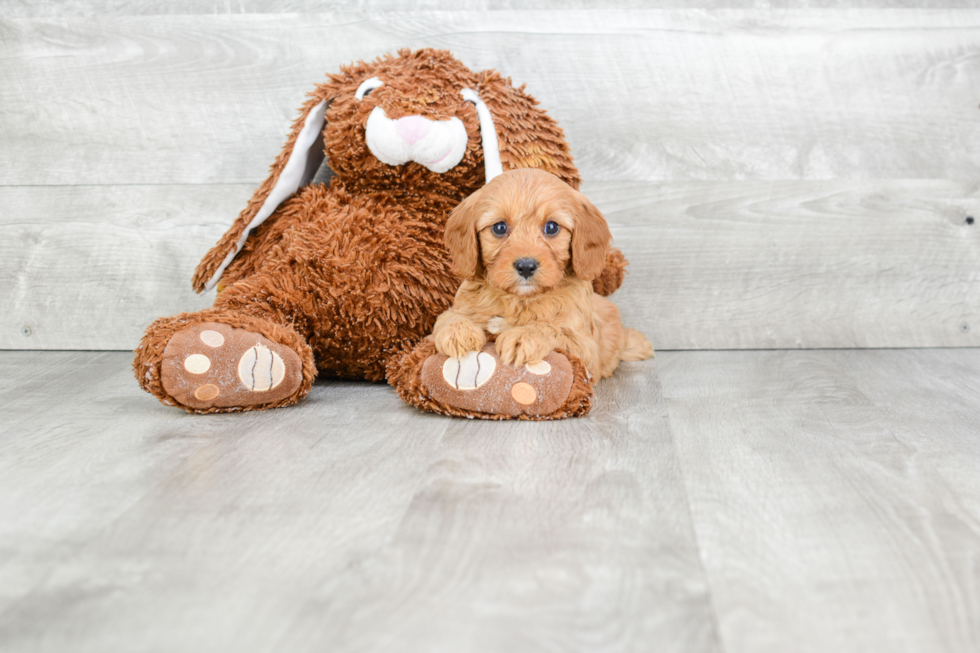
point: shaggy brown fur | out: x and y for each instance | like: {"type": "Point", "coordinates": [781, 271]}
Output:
{"type": "Point", "coordinates": [352, 275]}
{"type": "Point", "coordinates": [551, 306]}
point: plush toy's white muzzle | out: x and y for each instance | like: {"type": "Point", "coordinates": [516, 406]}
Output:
{"type": "Point", "coordinates": [439, 145]}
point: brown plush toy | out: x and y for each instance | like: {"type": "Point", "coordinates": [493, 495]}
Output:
{"type": "Point", "coordinates": [348, 278]}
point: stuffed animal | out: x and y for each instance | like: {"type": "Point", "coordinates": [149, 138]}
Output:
{"type": "Point", "coordinates": [348, 277]}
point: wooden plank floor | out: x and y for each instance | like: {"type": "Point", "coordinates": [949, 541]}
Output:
{"type": "Point", "coordinates": [714, 501]}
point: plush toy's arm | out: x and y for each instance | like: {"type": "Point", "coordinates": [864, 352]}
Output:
{"type": "Point", "coordinates": [611, 277]}
{"type": "Point", "coordinates": [286, 174]}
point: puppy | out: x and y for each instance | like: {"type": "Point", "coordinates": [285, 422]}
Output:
{"type": "Point", "coordinates": [527, 246]}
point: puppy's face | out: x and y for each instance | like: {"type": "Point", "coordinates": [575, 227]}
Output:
{"type": "Point", "coordinates": [525, 239]}
{"type": "Point", "coordinates": [524, 231]}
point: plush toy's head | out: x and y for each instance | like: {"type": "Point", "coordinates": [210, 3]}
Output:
{"type": "Point", "coordinates": [409, 125]}
{"type": "Point", "coordinates": [424, 120]}
{"type": "Point", "coordinates": [404, 120]}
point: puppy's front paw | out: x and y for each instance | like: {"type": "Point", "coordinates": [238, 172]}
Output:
{"type": "Point", "coordinates": [520, 345]}
{"type": "Point", "coordinates": [459, 338]}
{"type": "Point", "coordinates": [498, 324]}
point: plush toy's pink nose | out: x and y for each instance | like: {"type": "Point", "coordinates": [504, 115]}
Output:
{"type": "Point", "coordinates": [412, 129]}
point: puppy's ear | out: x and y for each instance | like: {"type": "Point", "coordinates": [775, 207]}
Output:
{"type": "Point", "coordinates": [461, 240]}
{"type": "Point", "coordinates": [590, 239]}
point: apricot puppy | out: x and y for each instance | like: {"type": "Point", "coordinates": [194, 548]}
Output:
{"type": "Point", "coordinates": [528, 247]}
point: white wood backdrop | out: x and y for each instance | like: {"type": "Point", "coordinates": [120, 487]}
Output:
{"type": "Point", "coordinates": [791, 177]}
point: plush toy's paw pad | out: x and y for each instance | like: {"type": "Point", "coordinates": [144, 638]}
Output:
{"type": "Point", "coordinates": [215, 365]}
{"type": "Point", "coordinates": [469, 372]}
{"type": "Point", "coordinates": [481, 383]}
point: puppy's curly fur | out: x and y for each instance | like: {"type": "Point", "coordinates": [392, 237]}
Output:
{"type": "Point", "coordinates": [528, 247]}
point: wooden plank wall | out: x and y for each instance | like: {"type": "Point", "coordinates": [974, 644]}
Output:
{"type": "Point", "coordinates": [799, 176]}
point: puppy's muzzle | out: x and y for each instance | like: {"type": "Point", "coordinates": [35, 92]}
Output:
{"type": "Point", "coordinates": [526, 267]}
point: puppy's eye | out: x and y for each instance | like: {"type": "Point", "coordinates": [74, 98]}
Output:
{"type": "Point", "coordinates": [499, 229]}
{"type": "Point", "coordinates": [551, 228]}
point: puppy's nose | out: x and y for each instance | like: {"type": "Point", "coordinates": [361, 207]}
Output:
{"type": "Point", "coordinates": [525, 267]}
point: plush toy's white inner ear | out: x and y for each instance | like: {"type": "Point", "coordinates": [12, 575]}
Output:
{"type": "Point", "coordinates": [298, 171]}
{"type": "Point", "coordinates": [488, 133]}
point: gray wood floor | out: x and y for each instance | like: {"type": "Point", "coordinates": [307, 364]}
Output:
{"type": "Point", "coordinates": [715, 501]}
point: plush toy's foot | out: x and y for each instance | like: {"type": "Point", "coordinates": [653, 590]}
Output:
{"type": "Point", "coordinates": [210, 366]}
{"type": "Point", "coordinates": [213, 365]}
{"type": "Point", "coordinates": [480, 385]}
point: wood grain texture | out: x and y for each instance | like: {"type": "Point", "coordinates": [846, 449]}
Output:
{"type": "Point", "coordinates": [350, 519]}
{"type": "Point", "coordinates": [830, 518]}
{"type": "Point", "coordinates": [816, 501]}
{"type": "Point", "coordinates": [642, 95]}
{"type": "Point", "coordinates": [86, 8]}
{"type": "Point", "coordinates": [768, 265]}
{"type": "Point", "coordinates": [90, 267]}
{"type": "Point", "coordinates": [753, 163]}
{"type": "Point", "coordinates": [713, 266]}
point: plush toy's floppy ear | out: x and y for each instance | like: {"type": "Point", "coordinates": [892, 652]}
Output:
{"type": "Point", "coordinates": [527, 136]}
{"type": "Point", "coordinates": [295, 166]}
{"type": "Point", "coordinates": [590, 240]}
{"type": "Point", "coordinates": [488, 135]}
{"type": "Point", "coordinates": [461, 240]}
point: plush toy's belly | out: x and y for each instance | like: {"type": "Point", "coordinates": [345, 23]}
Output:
{"type": "Point", "coordinates": [376, 275]}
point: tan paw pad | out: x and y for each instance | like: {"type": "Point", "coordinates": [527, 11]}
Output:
{"type": "Point", "coordinates": [524, 393]}
{"type": "Point", "coordinates": [540, 368]}
{"type": "Point", "coordinates": [469, 372]}
{"type": "Point", "coordinates": [207, 392]}
{"type": "Point", "coordinates": [261, 369]}
{"type": "Point", "coordinates": [212, 338]}
{"type": "Point", "coordinates": [197, 363]}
